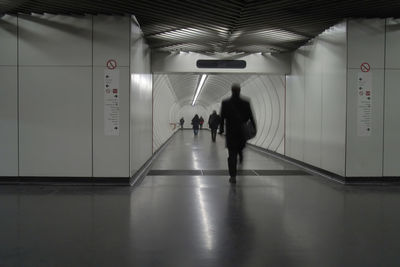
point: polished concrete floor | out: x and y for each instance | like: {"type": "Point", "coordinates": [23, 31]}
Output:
{"type": "Point", "coordinates": [183, 220]}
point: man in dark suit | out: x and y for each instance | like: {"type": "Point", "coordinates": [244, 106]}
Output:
{"type": "Point", "coordinates": [213, 123]}
{"type": "Point", "coordinates": [236, 112]}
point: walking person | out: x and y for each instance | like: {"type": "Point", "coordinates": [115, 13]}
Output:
{"type": "Point", "coordinates": [201, 122]}
{"type": "Point", "coordinates": [181, 122]}
{"type": "Point", "coordinates": [195, 124]}
{"type": "Point", "coordinates": [213, 123]}
{"type": "Point", "coordinates": [236, 112]}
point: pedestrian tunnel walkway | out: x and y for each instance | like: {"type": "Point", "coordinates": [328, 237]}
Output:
{"type": "Point", "coordinates": [189, 155]}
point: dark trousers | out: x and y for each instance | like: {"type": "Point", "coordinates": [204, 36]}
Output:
{"type": "Point", "coordinates": [213, 134]}
{"type": "Point", "coordinates": [232, 160]}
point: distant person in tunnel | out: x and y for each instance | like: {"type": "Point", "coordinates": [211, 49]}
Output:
{"type": "Point", "coordinates": [196, 124]}
{"type": "Point", "coordinates": [181, 122]}
{"type": "Point", "coordinates": [201, 122]}
{"type": "Point", "coordinates": [213, 123]}
{"type": "Point", "coordinates": [238, 116]}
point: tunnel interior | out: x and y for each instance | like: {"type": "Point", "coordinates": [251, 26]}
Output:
{"type": "Point", "coordinates": [174, 93]}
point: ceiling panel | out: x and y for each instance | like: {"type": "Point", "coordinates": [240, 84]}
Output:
{"type": "Point", "coordinates": [220, 25]}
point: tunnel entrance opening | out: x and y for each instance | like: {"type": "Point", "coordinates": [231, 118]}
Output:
{"type": "Point", "coordinates": [197, 155]}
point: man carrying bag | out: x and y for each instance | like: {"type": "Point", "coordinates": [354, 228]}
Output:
{"type": "Point", "coordinates": [240, 127]}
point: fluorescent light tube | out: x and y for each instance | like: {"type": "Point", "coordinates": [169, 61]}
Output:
{"type": "Point", "coordinates": [199, 87]}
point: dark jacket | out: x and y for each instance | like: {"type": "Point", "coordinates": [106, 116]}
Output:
{"type": "Point", "coordinates": [196, 122]}
{"type": "Point", "coordinates": [213, 121]}
{"type": "Point", "coordinates": [235, 111]}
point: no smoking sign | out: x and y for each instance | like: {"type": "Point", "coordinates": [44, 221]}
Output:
{"type": "Point", "coordinates": [365, 67]}
{"type": "Point", "coordinates": [111, 64]}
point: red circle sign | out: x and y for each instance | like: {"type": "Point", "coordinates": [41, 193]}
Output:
{"type": "Point", "coordinates": [111, 64]}
{"type": "Point", "coordinates": [365, 67]}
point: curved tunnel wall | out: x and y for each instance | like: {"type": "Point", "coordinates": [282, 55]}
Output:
{"type": "Point", "coordinates": [267, 96]}
{"type": "Point", "coordinates": [165, 110]}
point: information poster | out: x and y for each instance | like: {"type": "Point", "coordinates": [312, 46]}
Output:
{"type": "Point", "coordinates": [364, 105]}
{"type": "Point", "coordinates": [111, 102]}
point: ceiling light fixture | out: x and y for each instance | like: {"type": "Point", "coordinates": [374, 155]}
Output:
{"type": "Point", "coordinates": [199, 87]}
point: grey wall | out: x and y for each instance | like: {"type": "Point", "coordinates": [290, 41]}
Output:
{"type": "Point", "coordinates": [375, 41]}
{"type": "Point", "coordinates": [141, 88]}
{"type": "Point", "coordinates": [52, 69]}
{"type": "Point", "coordinates": [55, 95]}
{"type": "Point", "coordinates": [316, 102]}
{"type": "Point", "coordinates": [111, 41]}
{"type": "Point", "coordinates": [391, 166]}
{"type": "Point", "coordinates": [8, 97]}
{"type": "Point", "coordinates": [366, 43]}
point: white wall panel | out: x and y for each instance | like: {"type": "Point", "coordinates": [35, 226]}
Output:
{"type": "Point", "coordinates": [111, 41]}
{"type": "Point", "coordinates": [392, 43]}
{"type": "Point", "coordinates": [8, 97]}
{"type": "Point", "coordinates": [110, 153]}
{"type": "Point", "coordinates": [364, 153]}
{"type": "Point", "coordinates": [392, 124]}
{"type": "Point", "coordinates": [366, 42]}
{"type": "Point", "coordinates": [391, 166]}
{"type": "Point", "coordinates": [141, 90]}
{"type": "Point", "coordinates": [316, 102]}
{"type": "Point", "coordinates": [55, 40]}
{"type": "Point", "coordinates": [313, 105]}
{"type": "Point", "coordinates": [8, 121]}
{"type": "Point", "coordinates": [334, 50]}
{"type": "Point", "coordinates": [8, 38]}
{"type": "Point", "coordinates": [55, 121]}
{"type": "Point", "coordinates": [294, 136]}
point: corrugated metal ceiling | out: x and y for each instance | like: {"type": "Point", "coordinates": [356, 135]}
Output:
{"type": "Point", "coordinates": [220, 26]}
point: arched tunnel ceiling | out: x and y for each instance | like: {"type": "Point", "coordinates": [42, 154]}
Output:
{"type": "Point", "coordinates": [220, 25]}
{"type": "Point", "coordinates": [215, 86]}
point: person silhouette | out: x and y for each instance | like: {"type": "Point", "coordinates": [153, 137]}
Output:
{"type": "Point", "coordinates": [213, 123]}
{"type": "Point", "coordinates": [236, 112]}
{"type": "Point", "coordinates": [196, 124]}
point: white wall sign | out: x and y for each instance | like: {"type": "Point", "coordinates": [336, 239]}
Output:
{"type": "Point", "coordinates": [111, 102]}
{"type": "Point", "coordinates": [364, 105]}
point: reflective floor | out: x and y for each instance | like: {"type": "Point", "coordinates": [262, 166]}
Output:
{"type": "Point", "coordinates": [180, 220]}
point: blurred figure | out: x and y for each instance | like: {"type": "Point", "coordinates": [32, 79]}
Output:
{"type": "Point", "coordinates": [213, 123]}
{"type": "Point", "coordinates": [236, 112]}
{"type": "Point", "coordinates": [201, 122]}
{"type": "Point", "coordinates": [181, 122]}
{"type": "Point", "coordinates": [196, 124]}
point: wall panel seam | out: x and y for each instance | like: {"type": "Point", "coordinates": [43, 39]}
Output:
{"type": "Point", "coordinates": [384, 101]}
{"type": "Point", "coordinates": [130, 167]}
{"type": "Point", "coordinates": [346, 96]}
{"type": "Point", "coordinates": [18, 113]}
{"type": "Point", "coordinates": [92, 46]}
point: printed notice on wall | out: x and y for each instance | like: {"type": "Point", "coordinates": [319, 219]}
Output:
{"type": "Point", "coordinates": [364, 105]}
{"type": "Point", "coordinates": [111, 102]}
